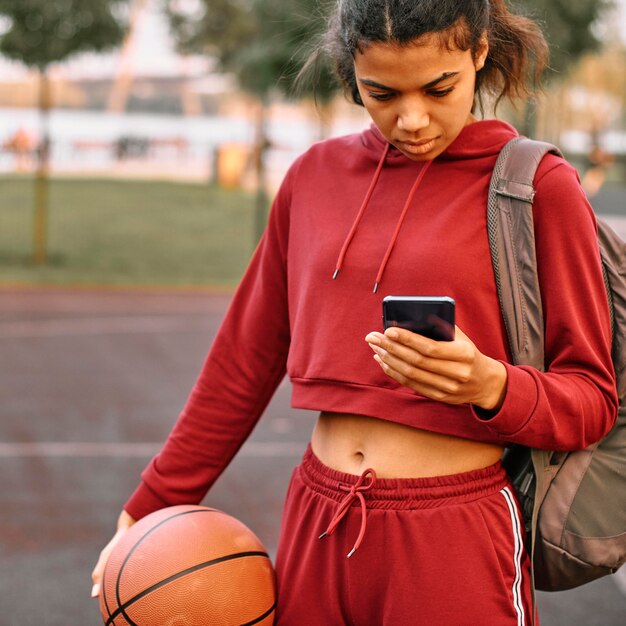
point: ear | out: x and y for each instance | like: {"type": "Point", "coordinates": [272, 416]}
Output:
{"type": "Point", "coordinates": [482, 50]}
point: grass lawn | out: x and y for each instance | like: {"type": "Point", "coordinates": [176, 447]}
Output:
{"type": "Point", "coordinates": [119, 232]}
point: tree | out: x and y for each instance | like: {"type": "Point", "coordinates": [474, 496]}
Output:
{"type": "Point", "coordinates": [569, 27]}
{"type": "Point", "coordinates": [262, 43]}
{"type": "Point", "coordinates": [318, 82]}
{"type": "Point", "coordinates": [40, 33]}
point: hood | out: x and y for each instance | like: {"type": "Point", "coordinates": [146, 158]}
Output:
{"type": "Point", "coordinates": [480, 139]}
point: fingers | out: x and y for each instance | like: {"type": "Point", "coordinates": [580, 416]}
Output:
{"type": "Point", "coordinates": [96, 575]}
{"type": "Point", "coordinates": [455, 372]}
{"type": "Point", "coordinates": [402, 337]}
{"type": "Point", "coordinates": [443, 375]}
{"type": "Point", "coordinates": [414, 355]}
{"type": "Point", "coordinates": [428, 385]}
{"type": "Point", "coordinates": [124, 522]}
{"type": "Point", "coordinates": [98, 570]}
{"type": "Point", "coordinates": [441, 370]}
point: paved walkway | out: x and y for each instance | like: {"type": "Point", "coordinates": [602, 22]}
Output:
{"type": "Point", "coordinates": [92, 382]}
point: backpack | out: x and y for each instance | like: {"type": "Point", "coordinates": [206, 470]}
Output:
{"type": "Point", "coordinates": [574, 503]}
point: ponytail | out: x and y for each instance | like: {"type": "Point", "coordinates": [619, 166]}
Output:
{"type": "Point", "coordinates": [517, 59]}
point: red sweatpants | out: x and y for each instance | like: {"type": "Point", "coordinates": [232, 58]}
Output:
{"type": "Point", "coordinates": [444, 551]}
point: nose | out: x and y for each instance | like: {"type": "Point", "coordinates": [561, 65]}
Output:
{"type": "Point", "coordinates": [413, 117]}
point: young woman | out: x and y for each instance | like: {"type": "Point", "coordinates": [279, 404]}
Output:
{"type": "Point", "coordinates": [403, 471]}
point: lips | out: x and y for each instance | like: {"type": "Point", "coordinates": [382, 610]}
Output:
{"type": "Point", "coordinates": [417, 144]}
{"type": "Point", "coordinates": [417, 147]}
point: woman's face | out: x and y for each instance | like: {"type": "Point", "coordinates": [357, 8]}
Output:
{"type": "Point", "coordinates": [419, 95]}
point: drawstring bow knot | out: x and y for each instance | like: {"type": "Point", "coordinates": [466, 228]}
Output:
{"type": "Point", "coordinates": [353, 491]}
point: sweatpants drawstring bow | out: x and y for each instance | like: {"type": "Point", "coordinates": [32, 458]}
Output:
{"type": "Point", "coordinates": [354, 491]}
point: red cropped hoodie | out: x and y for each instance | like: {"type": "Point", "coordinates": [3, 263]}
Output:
{"type": "Point", "coordinates": [354, 213]}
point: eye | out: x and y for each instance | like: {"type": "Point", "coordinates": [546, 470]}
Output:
{"type": "Point", "coordinates": [380, 96]}
{"type": "Point", "coordinates": [440, 93]}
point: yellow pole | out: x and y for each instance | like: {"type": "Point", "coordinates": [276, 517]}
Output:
{"type": "Point", "coordinates": [40, 221]}
{"type": "Point", "coordinates": [41, 224]}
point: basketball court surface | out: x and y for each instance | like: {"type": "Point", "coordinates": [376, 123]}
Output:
{"type": "Point", "coordinates": [91, 383]}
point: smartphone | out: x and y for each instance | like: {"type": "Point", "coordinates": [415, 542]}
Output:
{"type": "Point", "coordinates": [430, 316]}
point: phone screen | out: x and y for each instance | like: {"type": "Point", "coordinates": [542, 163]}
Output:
{"type": "Point", "coordinates": [430, 316]}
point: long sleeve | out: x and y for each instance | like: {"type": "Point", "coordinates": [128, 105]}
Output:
{"type": "Point", "coordinates": [574, 402]}
{"type": "Point", "coordinates": [244, 366]}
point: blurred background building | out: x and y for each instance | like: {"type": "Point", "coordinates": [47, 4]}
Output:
{"type": "Point", "coordinates": [145, 109]}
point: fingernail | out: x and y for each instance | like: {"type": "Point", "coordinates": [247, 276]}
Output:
{"type": "Point", "coordinates": [373, 338]}
{"type": "Point", "coordinates": [392, 334]}
{"type": "Point", "coordinates": [95, 590]}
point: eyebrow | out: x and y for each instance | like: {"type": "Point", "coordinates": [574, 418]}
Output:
{"type": "Point", "coordinates": [372, 83]}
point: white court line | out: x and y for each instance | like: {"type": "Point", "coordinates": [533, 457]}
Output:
{"type": "Point", "coordinates": [252, 449]}
{"type": "Point", "coordinates": [59, 300]}
{"type": "Point", "coordinates": [101, 326]}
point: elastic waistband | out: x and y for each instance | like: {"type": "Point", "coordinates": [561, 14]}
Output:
{"type": "Point", "coordinates": [405, 493]}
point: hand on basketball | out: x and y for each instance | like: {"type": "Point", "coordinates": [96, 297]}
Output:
{"type": "Point", "coordinates": [124, 522]}
{"type": "Point", "coordinates": [454, 372]}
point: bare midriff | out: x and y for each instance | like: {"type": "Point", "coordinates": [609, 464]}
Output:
{"type": "Point", "coordinates": [354, 443]}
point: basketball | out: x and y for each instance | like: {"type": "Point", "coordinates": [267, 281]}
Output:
{"type": "Point", "coordinates": [188, 566]}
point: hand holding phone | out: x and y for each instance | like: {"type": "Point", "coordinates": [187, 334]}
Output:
{"type": "Point", "coordinates": [430, 316]}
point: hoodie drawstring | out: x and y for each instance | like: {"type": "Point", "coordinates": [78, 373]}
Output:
{"type": "Point", "coordinates": [359, 216]}
{"type": "Point", "coordinates": [354, 491]}
{"type": "Point", "coordinates": [394, 237]}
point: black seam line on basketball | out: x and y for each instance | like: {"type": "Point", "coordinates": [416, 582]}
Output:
{"type": "Point", "coordinates": [147, 534]}
{"type": "Point", "coordinates": [261, 617]}
{"type": "Point", "coordinates": [165, 581]}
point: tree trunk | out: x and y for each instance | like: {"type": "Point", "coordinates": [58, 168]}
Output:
{"type": "Point", "coordinates": [529, 122]}
{"type": "Point", "coordinates": [260, 150]}
{"type": "Point", "coordinates": [40, 222]}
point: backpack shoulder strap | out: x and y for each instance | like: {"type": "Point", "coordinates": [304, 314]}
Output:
{"type": "Point", "coordinates": [613, 254]}
{"type": "Point", "coordinates": [511, 235]}
{"type": "Point", "coordinates": [512, 242]}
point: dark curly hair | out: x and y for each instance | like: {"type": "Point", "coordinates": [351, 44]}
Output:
{"type": "Point", "coordinates": [518, 52]}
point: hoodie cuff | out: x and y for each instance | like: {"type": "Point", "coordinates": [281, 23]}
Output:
{"type": "Point", "coordinates": [518, 406]}
{"type": "Point", "coordinates": [143, 501]}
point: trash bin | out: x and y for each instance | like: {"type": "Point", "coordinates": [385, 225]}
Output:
{"type": "Point", "coordinates": [232, 159]}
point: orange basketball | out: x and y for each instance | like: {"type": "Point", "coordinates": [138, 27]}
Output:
{"type": "Point", "coordinates": [191, 566]}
